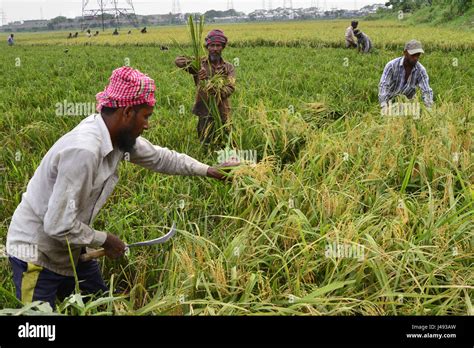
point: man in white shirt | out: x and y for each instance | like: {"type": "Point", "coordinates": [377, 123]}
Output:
{"type": "Point", "coordinates": [350, 39]}
{"type": "Point", "coordinates": [73, 182]}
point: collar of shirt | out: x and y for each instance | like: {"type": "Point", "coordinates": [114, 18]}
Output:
{"type": "Point", "coordinates": [106, 146]}
{"type": "Point", "coordinates": [402, 60]}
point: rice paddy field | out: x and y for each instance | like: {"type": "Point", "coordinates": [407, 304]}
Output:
{"type": "Point", "coordinates": [346, 212]}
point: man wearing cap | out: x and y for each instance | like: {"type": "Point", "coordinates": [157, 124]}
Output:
{"type": "Point", "coordinates": [403, 75]}
{"type": "Point", "coordinates": [211, 65]}
{"type": "Point", "coordinates": [350, 39]}
{"type": "Point", "coordinates": [73, 182]}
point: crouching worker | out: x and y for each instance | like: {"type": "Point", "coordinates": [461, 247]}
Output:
{"type": "Point", "coordinates": [402, 76]}
{"type": "Point", "coordinates": [364, 44]}
{"type": "Point", "coordinates": [350, 39]}
{"type": "Point", "coordinates": [72, 183]}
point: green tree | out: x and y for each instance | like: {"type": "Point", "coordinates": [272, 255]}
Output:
{"type": "Point", "coordinates": [58, 20]}
{"type": "Point", "coordinates": [461, 6]}
{"type": "Point", "coordinates": [455, 7]}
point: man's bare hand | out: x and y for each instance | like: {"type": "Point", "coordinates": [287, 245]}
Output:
{"type": "Point", "coordinates": [182, 61]}
{"type": "Point", "coordinates": [113, 246]}
{"type": "Point", "coordinates": [216, 172]}
{"type": "Point", "coordinates": [202, 74]}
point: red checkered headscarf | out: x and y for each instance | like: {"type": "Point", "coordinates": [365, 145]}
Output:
{"type": "Point", "coordinates": [216, 35]}
{"type": "Point", "coordinates": [127, 86]}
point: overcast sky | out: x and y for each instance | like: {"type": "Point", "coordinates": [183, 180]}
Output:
{"type": "Point", "coordinates": [36, 9]}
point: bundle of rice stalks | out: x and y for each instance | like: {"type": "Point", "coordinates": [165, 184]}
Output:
{"type": "Point", "coordinates": [319, 114]}
{"type": "Point", "coordinates": [196, 30]}
{"type": "Point", "coordinates": [315, 108]}
{"type": "Point", "coordinates": [256, 174]}
{"type": "Point", "coordinates": [214, 85]}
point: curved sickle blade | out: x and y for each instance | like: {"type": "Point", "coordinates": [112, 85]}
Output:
{"type": "Point", "coordinates": [160, 240]}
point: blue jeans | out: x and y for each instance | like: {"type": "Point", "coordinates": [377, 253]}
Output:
{"type": "Point", "coordinates": [36, 283]}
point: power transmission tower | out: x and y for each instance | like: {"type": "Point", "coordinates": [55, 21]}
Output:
{"type": "Point", "coordinates": [290, 3]}
{"type": "Point", "coordinates": [230, 4]}
{"type": "Point", "coordinates": [176, 7]}
{"type": "Point", "coordinates": [3, 17]}
{"type": "Point", "coordinates": [109, 8]}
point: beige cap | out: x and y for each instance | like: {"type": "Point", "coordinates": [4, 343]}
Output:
{"type": "Point", "coordinates": [414, 47]}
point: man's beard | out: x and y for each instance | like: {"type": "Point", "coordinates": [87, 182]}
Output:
{"type": "Point", "coordinates": [214, 58]}
{"type": "Point", "coordinates": [411, 62]}
{"type": "Point", "coordinates": [126, 141]}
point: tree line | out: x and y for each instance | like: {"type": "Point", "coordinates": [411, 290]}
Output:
{"type": "Point", "coordinates": [457, 7]}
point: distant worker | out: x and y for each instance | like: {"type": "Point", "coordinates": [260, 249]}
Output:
{"type": "Point", "coordinates": [364, 44]}
{"type": "Point", "coordinates": [350, 39]}
{"type": "Point", "coordinates": [10, 40]}
{"type": "Point", "coordinates": [76, 34]}
{"type": "Point", "coordinates": [143, 31]}
{"type": "Point", "coordinates": [70, 36]}
{"type": "Point", "coordinates": [115, 32]}
{"type": "Point", "coordinates": [211, 65]}
{"type": "Point", "coordinates": [96, 33]}
{"type": "Point", "coordinates": [402, 75]}
{"type": "Point", "coordinates": [88, 31]}
{"type": "Point", "coordinates": [129, 32]}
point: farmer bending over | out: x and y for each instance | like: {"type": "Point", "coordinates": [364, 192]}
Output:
{"type": "Point", "coordinates": [403, 75]}
{"type": "Point", "coordinates": [211, 65]}
{"type": "Point", "coordinates": [364, 44]}
{"type": "Point", "coordinates": [73, 182]}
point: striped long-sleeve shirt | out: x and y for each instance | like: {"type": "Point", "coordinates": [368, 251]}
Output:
{"type": "Point", "coordinates": [393, 82]}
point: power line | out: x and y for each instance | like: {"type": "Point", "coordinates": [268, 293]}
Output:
{"type": "Point", "coordinates": [176, 7]}
{"type": "Point", "coordinates": [110, 8]}
{"type": "Point", "coordinates": [3, 17]}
